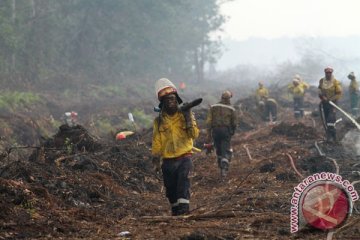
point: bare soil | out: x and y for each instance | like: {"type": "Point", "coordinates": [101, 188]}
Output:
{"type": "Point", "coordinates": [77, 186]}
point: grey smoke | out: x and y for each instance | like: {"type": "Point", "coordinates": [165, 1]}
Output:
{"type": "Point", "coordinates": [351, 141]}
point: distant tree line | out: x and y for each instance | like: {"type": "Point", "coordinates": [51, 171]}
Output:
{"type": "Point", "coordinates": [106, 40]}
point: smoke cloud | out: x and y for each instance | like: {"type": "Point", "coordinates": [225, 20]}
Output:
{"type": "Point", "coordinates": [351, 141]}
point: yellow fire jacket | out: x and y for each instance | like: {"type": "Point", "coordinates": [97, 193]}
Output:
{"type": "Point", "coordinates": [171, 139]}
{"type": "Point", "coordinates": [221, 115]}
{"type": "Point", "coordinates": [299, 90]}
{"type": "Point", "coordinates": [354, 87]}
{"type": "Point", "coordinates": [261, 93]}
{"type": "Point", "coordinates": [330, 89]}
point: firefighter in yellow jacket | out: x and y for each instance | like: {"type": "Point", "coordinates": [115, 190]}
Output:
{"type": "Point", "coordinates": [261, 93]}
{"type": "Point", "coordinates": [354, 94]}
{"type": "Point", "coordinates": [329, 90]}
{"type": "Point", "coordinates": [173, 135]}
{"type": "Point", "coordinates": [297, 89]}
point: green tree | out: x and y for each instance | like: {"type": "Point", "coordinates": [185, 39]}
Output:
{"type": "Point", "coordinates": [97, 41]}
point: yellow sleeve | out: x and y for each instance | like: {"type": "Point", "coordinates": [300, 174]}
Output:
{"type": "Point", "coordinates": [320, 89]}
{"type": "Point", "coordinates": [156, 139]}
{"type": "Point", "coordinates": [234, 120]}
{"type": "Point", "coordinates": [193, 132]}
{"type": "Point", "coordinates": [353, 87]}
{"type": "Point", "coordinates": [338, 91]}
{"type": "Point", "coordinates": [300, 90]}
{"type": "Point", "coordinates": [320, 83]}
{"type": "Point", "coordinates": [209, 119]}
{"type": "Point", "coordinates": [290, 88]}
{"type": "Point", "coordinates": [266, 92]}
{"type": "Point", "coordinates": [257, 95]}
{"type": "Point", "coordinates": [305, 85]}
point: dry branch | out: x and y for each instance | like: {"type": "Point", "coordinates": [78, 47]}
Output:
{"type": "Point", "coordinates": [293, 165]}
{"type": "Point", "coordinates": [219, 214]}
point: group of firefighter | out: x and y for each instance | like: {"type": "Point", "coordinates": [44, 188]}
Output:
{"type": "Point", "coordinates": [175, 129]}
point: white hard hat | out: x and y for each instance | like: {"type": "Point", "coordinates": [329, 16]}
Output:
{"type": "Point", "coordinates": [226, 94]}
{"type": "Point", "coordinates": [297, 76]}
{"type": "Point", "coordinates": [296, 80]}
{"type": "Point", "coordinates": [163, 87]}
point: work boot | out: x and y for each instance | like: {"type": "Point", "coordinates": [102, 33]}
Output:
{"type": "Point", "coordinates": [224, 167]}
{"type": "Point", "coordinates": [183, 209]}
{"type": "Point", "coordinates": [328, 137]}
{"type": "Point", "coordinates": [333, 135]}
{"type": "Point", "coordinates": [223, 173]}
{"type": "Point", "coordinates": [224, 164]}
{"type": "Point", "coordinates": [229, 154]}
{"type": "Point", "coordinates": [219, 161]}
{"type": "Point", "coordinates": [174, 211]}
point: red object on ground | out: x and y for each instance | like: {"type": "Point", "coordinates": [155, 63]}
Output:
{"type": "Point", "coordinates": [325, 206]}
{"type": "Point", "coordinates": [120, 136]}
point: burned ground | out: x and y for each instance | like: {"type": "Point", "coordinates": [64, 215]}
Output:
{"type": "Point", "coordinates": [75, 185]}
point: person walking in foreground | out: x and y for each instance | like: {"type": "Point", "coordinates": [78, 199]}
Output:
{"type": "Point", "coordinates": [329, 90]}
{"type": "Point", "coordinates": [354, 94]}
{"type": "Point", "coordinates": [173, 135]}
{"type": "Point", "coordinates": [221, 124]}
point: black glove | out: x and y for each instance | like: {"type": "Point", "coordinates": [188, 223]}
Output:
{"type": "Point", "coordinates": [323, 98]}
{"type": "Point", "coordinates": [156, 163]}
{"type": "Point", "coordinates": [232, 131]}
{"type": "Point", "coordinates": [188, 116]}
{"type": "Point", "coordinates": [208, 136]}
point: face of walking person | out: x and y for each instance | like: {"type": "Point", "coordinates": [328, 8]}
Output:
{"type": "Point", "coordinates": [170, 104]}
{"type": "Point", "coordinates": [328, 75]}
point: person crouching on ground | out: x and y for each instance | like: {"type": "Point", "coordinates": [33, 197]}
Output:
{"type": "Point", "coordinates": [270, 113]}
{"type": "Point", "coordinates": [173, 135]}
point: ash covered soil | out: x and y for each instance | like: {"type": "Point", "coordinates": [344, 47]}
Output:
{"type": "Point", "coordinates": [77, 186]}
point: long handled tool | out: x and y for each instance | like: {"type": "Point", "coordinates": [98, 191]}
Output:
{"type": "Point", "coordinates": [346, 114]}
{"type": "Point", "coordinates": [322, 115]}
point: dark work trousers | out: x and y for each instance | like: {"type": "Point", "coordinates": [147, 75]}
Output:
{"type": "Point", "coordinates": [330, 119]}
{"type": "Point", "coordinates": [270, 107]}
{"type": "Point", "coordinates": [354, 101]}
{"type": "Point", "coordinates": [222, 138]}
{"type": "Point", "coordinates": [298, 107]}
{"type": "Point", "coordinates": [176, 179]}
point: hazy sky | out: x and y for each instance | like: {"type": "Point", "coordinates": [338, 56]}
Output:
{"type": "Point", "coordinates": [291, 18]}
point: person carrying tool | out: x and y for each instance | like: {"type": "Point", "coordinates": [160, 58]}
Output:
{"type": "Point", "coordinates": [221, 125]}
{"type": "Point", "coordinates": [173, 135]}
{"type": "Point", "coordinates": [354, 94]}
{"type": "Point", "coordinates": [297, 89]}
{"type": "Point", "coordinates": [329, 90]}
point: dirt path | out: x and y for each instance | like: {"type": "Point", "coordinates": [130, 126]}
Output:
{"type": "Point", "coordinates": [252, 203]}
